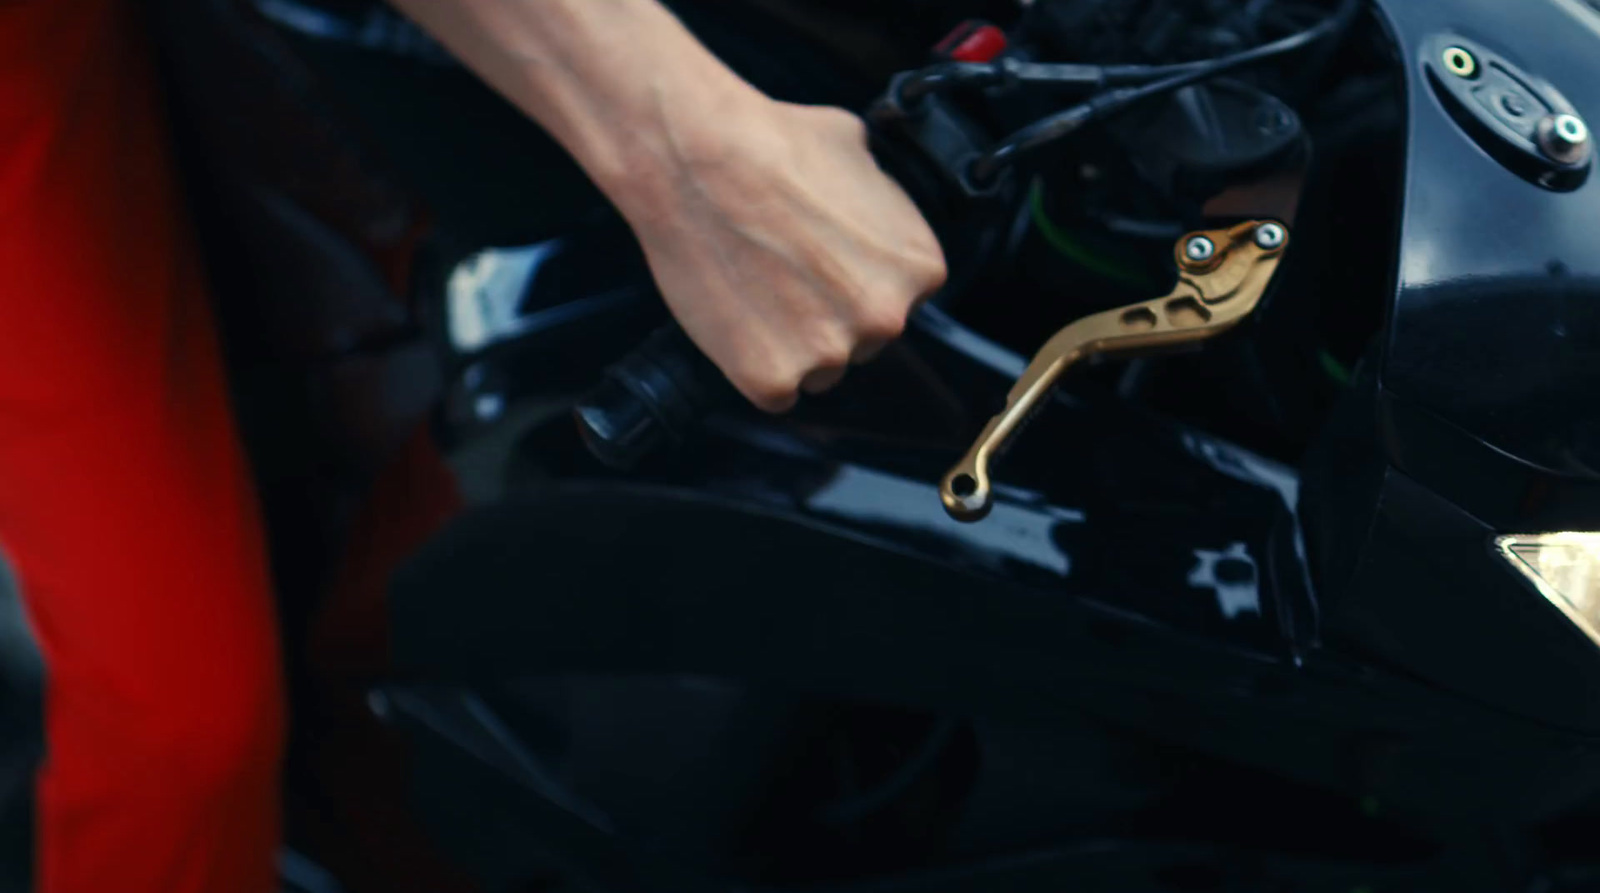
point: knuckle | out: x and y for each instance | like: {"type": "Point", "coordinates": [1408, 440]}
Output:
{"type": "Point", "coordinates": [822, 381]}
{"type": "Point", "coordinates": [885, 320]}
{"type": "Point", "coordinates": [765, 380]}
{"type": "Point", "coordinates": [832, 353]}
{"type": "Point", "coordinates": [772, 393]}
{"type": "Point", "coordinates": [930, 268]}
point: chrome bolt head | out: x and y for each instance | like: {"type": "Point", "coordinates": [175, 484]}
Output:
{"type": "Point", "coordinates": [1199, 249]}
{"type": "Point", "coordinates": [1271, 236]}
{"type": "Point", "coordinates": [1564, 138]}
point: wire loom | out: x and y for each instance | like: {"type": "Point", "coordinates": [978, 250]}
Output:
{"type": "Point", "coordinates": [1121, 86]}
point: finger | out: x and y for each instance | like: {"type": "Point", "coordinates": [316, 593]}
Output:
{"type": "Point", "coordinates": [770, 401]}
{"type": "Point", "coordinates": [822, 380]}
{"type": "Point", "coordinates": [867, 351]}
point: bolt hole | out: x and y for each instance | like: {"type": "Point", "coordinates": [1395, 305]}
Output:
{"type": "Point", "coordinates": [1139, 319]}
{"type": "Point", "coordinates": [963, 485]}
{"type": "Point", "coordinates": [1461, 63]}
{"type": "Point", "coordinates": [1571, 129]}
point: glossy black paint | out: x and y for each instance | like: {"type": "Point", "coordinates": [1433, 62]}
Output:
{"type": "Point", "coordinates": [878, 599]}
{"type": "Point", "coordinates": [1155, 511]}
{"type": "Point", "coordinates": [1478, 417]}
{"type": "Point", "coordinates": [532, 323]}
{"type": "Point", "coordinates": [1157, 576]}
{"type": "Point", "coordinates": [1496, 320]}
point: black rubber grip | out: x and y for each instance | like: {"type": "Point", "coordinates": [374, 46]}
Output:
{"type": "Point", "coordinates": [650, 399]}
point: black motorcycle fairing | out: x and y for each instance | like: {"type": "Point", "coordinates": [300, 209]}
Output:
{"type": "Point", "coordinates": [1411, 578]}
{"type": "Point", "coordinates": [857, 620]}
{"type": "Point", "coordinates": [676, 766]}
{"type": "Point", "coordinates": [1495, 326]}
{"type": "Point", "coordinates": [1107, 541]}
{"type": "Point", "coordinates": [868, 456]}
{"type": "Point", "coordinates": [1472, 417]}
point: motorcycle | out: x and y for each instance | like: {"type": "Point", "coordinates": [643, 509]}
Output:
{"type": "Point", "coordinates": [1269, 571]}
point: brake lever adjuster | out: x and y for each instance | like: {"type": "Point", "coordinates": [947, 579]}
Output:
{"type": "Point", "coordinates": [1222, 276]}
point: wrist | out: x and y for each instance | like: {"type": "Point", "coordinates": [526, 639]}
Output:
{"type": "Point", "coordinates": [691, 126]}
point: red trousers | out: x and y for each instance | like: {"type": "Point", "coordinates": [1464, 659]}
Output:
{"type": "Point", "coordinates": [125, 506]}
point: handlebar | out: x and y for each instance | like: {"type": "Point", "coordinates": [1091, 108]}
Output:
{"type": "Point", "coordinates": [651, 398]}
{"type": "Point", "coordinates": [656, 395]}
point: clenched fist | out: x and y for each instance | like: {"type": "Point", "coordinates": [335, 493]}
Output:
{"type": "Point", "coordinates": [784, 251]}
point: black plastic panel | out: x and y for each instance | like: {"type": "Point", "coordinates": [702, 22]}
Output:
{"type": "Point", "coordinates": [1496, 323]}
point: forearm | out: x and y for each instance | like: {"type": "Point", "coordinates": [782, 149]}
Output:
{"type": "Point", "coordinates": [621, 84]}
{"type": "Point", "coordinates": [778, 244]}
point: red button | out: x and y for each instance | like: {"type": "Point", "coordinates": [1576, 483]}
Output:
{"type": "Point", "coordinates": [983, 45]}
{"type": "Point", "coordinates": [974, 42]}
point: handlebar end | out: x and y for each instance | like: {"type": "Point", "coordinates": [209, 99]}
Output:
{"type": "Point", "coordinates": [616, 426]}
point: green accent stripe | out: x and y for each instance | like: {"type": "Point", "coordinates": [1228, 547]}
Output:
{"type": "Point", "coordinates": [1075, 251]}
{"type": "Point", "coordinates": [1334, 368]}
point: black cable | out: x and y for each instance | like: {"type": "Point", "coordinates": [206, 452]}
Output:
{"type": "Point", "coordinates": [1013, 72]}
{"type": "Point", "coordinates": [1102, 106]}
{"type": "Point", "coordinates": [1007, 72]}
{"type": "Point", "coordinates": [948, 75]}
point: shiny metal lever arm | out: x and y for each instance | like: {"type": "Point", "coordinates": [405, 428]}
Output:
{"type": "Point", "coordinates": [1222, 276]}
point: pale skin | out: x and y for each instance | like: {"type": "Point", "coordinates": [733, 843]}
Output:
{"type": "Point", "coordinates": [783, 250]}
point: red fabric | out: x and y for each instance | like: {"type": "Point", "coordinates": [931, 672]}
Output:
{"type": "Point", "coordinates": [124, 501]}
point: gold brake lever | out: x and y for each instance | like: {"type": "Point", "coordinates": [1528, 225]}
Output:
{"type": "Point", "coordinates": [1222, 275]}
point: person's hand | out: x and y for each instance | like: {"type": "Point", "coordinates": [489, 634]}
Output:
{"type": "Point", "coordinates": [783, 250]}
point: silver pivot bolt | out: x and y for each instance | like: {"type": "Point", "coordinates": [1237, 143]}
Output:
{"type": "Point", "coordinates": [1270, 236]}
{"type": "Point", "coordinates": [1199, 249]}
{"type": "Point", "coordinates": [1564, 138]}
